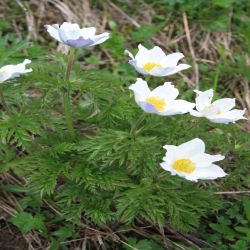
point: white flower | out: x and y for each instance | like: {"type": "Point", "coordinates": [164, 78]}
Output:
{"type": "Point", "coordinates": [219, 111]}
{"type": "Point", "coordinates": [161, 100]}
{"type": "Point", "coordinates": [155, 62]}
{"type": "Point", "coordinates": [190, 161]}
{"type": "Point", "coordinates": [71, 34]}
{"type": "Point", "coordinates": [11, 71]}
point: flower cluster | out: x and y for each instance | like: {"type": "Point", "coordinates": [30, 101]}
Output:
{"type": "Point", "coordinates": [187, 160]}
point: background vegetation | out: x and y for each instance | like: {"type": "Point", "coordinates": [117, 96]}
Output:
{"type": "Point", "coordinates": [105, 189]}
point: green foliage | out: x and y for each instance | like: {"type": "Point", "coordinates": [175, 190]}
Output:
{"type": "Point", "coordinates": [18, 129]}
{"type": "Point", "coordinates": [116, 45]}
{"type": "Point", "coordinates": [27, 222]}
{"type": "Point", "coordinates": [65, 232]}
{"type": "Point", "coordinates": [142, 245]}
{"type": "Point", "coordinates": [107, 175]}
{"type": "Point", "coordinates": [8, 54]}
{"type": "Point", "coordinates": [145, 32]}
{"type": "Point", "coordinates": [231, 227]}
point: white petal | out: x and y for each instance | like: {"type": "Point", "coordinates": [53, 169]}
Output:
{"type": "Point", "coordinates": [166, 167]}
{"type": "Point", "coordinates": [6, 72]}
{"type": "Point", "coordinates": [208, 173]}
{"type": "Point", "coordinates": [140, 89]}
{"type": "Point", "coordinates": [166, 91]}
{"type": "Point", "coordinates": [137, 67]}
{"type": "Point", "coordinates": [170, 155]}
{"type": "Point", "coordinates": [210, 111]}
{"type": "Point", "coordinates": [203, 99]}
{"type": "Point", "coordinates": [170, 147]}
{"type": "Point", "coordinates": [220, 120]}
{"type": "Point", "coordinates": [21, 67]}
{"type": "Point", "coordinates": [183, 105]}
{"type": "Point", "coordinates": [88, 32]}
{"type": "Point", "coordinates": [228, 117]}
{"type": "Point", "coordinates": [100, 38]}
{"type": "Point", "coordinates": [69, 31]}
{"type": "Point", "coordinates": [236, 114]}
{"type": "Point", "coordinates": [205, 160]}
{"type": "Point", "coordinates": [195, 113]}
{"type": "Point", "coordinates": [142, 55]}
{"type": "Point", "coordinates": [156, 54]}
{"type": "Point", "coordinates": [12, 71]}
{"type": "Point", "coordinates": [54, 31]}
{"type": "Point", "coordinates": [166, 71]}
{"type": "Point", "coordinates": [178, 107]}
{"type": "Point", "coordinates": [126, 52]}
{"type": "Point", "coordinates": [225, 104]}
{"type": "Point", "coordinates": [171, 60]}
{"type": "Point", "coordinates": [191, 148]}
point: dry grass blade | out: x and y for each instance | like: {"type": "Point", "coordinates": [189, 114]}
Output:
{"type": "Point", "coordinates": [233, 192]}
{"type": "Point", "coordinates": [196, 67]}
{"type": "Point", "coordinates": [79, 12]}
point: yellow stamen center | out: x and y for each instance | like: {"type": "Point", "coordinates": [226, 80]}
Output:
{"type": "Point", "coordinates": [157, 102]}
{"type": "Point", "coordinates": [184, 165]}
{"type": "Point", "coordinates": [218, 113]}
{"type": "Point", "coordinates": [150, 65]}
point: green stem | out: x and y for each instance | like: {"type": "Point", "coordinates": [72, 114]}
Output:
{"type": "Point", "coordinates": [3, 102]}
{"type": "Point", "coordinates": [137, 124]}
{"type": "Point", "coordinates": [216, 77]}
{"type": "Point", "coordinates": [67, 95]}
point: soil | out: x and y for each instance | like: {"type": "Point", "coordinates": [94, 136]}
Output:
{"type": "Point", "coordinates": [11, 238]}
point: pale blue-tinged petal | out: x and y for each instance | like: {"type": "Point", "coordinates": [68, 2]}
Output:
{"type": "Point", "coordinates": [88, 32]}
{"type": "Point", "coordinates": [69, 31]}
{"type": "Point", "coordinates": [100, 38]}
{"type": "Point", "coordinates": [140, 89]}
{"type": "Point", "coordinates": [80, 42]}
{"type": "Point", "coordinates": [127, 52]}
{"type": "Point", "coordinates": [53, 30]}
{"type": "Point", "coordinates": [137, 67]}
{"type": "Point", "coordinates": [12, 71]}
{"type": "Point", "coordinates": [147, 107]}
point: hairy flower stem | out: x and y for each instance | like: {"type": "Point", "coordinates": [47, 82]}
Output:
{"type": "Point", "coordinates": [67, 95]}
{"type": "Point", "coordinates": [3, 102]}
{"type": "Point", "coordinates": [136, 126]}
